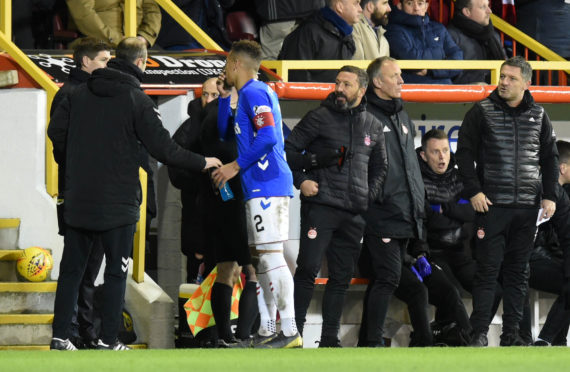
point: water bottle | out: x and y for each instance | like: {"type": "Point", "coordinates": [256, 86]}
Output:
{"type": "Point", "coordinates": [226, 192]}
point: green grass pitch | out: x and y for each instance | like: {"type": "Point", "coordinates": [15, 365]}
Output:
{"type": "Point", "coordinates": [516, 359]}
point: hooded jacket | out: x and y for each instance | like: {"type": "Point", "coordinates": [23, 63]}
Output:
{"type": "Point", "coordinates": [415, 37]}
{"type": "Point", "coordinates": [359, 179]}
{"type": "Point", "coordinates": [101, 132]}
{"type": "Point", "coordinates": [514, 148]}
{"type": "Point", "coordinates": [317, 38]}
{"type": "Point", "coordinates": [399, 211]}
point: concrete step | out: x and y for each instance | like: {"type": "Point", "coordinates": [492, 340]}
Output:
{"type": "Point", "coordinates": [9, 230]}
{"type": "Point", "coordinates": [8, 265]}
{"type": "Point", "coordinates": [27, 298]}
{"type": "Point", "coordinates": [25, 329]}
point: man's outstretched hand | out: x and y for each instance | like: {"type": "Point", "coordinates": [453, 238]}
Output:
{"type": "Point", "coordinates": [225, 173]}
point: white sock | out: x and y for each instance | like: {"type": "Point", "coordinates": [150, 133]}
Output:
{"type": "Point", "coordinates": [273, 268]}
{"type": "Point", "coordinates": [267, 313]}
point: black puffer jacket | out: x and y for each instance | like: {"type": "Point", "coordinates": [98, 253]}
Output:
{"type": "Point", "coordinates": [443, 192]}
{"type": "Point", "coordinates": [360, 178]}
{"type": "Point", "coordinates": [316, 38]}
{"type": "Point", "coordinates": [553, 238]}
{"type": "Point", "coordinates": [100, 132]}
{"type": "Point", "coordinates": [512, 147]}
{"type": "Point", "coordinates": [400, 211]}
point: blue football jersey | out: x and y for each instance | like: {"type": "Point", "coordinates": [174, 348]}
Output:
{"type": "Point", "coordinates": [257, 126]}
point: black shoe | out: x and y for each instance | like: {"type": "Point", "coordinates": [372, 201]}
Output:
{"type": "Point", "coordinates": [233, 343]}
{"type": "Point", "coordinates": [60, 344]}
{"type": "Point", "coordinates": [479, 339]}
{"type": "Point", "coordinates": [328, 341]}
{"type": "Point", "coordinates": [283, 342]}
{"type": "Point", "coordinates": [540, 342]}
{"type": "Point", "coordinates": [259, 340]}
{"type": "Point", "coordinates": [512, 339]}
{"type": "Point", "coordinates": [118, 346]}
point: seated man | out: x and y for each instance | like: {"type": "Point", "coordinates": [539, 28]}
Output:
{"type": "Point", "coordinates": [368, 33]}
{"type": "Point", "coordinates": [412, 35]}
{"type": "Point", "coordinates": [326, 35]}
{"type": "Point", "coordinates": [473, 32]}
{"type": "Point", "coordinates": [550, 260]}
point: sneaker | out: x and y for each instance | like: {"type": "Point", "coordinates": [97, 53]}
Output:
{"type": "Point", "coordinates": [283, 342]}
{"type": "Point", "coordinates": [479, 340]}
{"type": "Point", "coordinates": [233, 343]}
{"type": "Point", "coordinates": [327, 341]}
{"type": "Point", "coordinates": [59, 344]}
{"type": "Point", "coordinates": [259, 340]}
{"type": "Point", "coordinates": [540, 342]}
{"type": "Point", "coordinates": [512, 339]}
{"type": "Point", "coordinates": [118, 345]}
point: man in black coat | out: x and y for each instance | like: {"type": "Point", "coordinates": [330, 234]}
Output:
{"type": "Point", "coordinates": [327, 34]}
{"type": "Point", "coordinates": [472, 30]}
{"type": "Point", "coordinates": [511, 140]}
{"type": "Point", "coordinates": [88, 55]}
{"type": "Point", "coordinates": [346, 175]}
{"type": "Point", "coordinates": [397, 215]}
{"type": "Point", "coordinates": [100, 132]}
{"type": "Point", "coordinates": [550, 259]}
{"type": "Point", "coordinates": [192, 226]}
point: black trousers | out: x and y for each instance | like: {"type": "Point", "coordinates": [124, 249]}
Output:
{"type": "Point", "coordinates": [460, 268]}
{"type": "Point", "coordinates": [504, 237]}
{"type": "Point", "coordinates": [547, 274]}
{"type": "Point", "coordinates": [381, 262]}
{"type": "Point", "coordinates": [336, 234]}
{"type": "Point", "coordinates": [82, 321]}
{"type": "Point", "coordinates": [117, 244]}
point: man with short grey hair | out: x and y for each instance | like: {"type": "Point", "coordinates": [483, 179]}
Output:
{"type": "Point", "coordinates": [507, 158]}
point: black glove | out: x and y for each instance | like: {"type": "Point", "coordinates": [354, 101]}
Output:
{"type": "Point", "coordinates": [566, 294]}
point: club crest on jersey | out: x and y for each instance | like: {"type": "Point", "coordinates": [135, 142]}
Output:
{"type": "Point", "coordinates": [367, 140]}
{"type": "Point", "coordinates": [237, 129]}
{"type": "Point", "coordinates": [312, 234]}
{"type": "Point", "coordinates": [481, 233]}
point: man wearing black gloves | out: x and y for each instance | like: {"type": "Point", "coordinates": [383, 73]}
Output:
{"type": "Point", "coordinates": [100, 132]}
{"type": "Point", "coordinates": [510, 138]}
{"type": "Point", "coordinates": [335, 190]}
{"type": "Point", "coordinates": [397, 215]}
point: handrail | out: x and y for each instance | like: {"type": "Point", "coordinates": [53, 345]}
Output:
{"type": "Point", "coordinates": [140, 234]}
{"type": "Point", "coordinates": [526, 40]}
{"type": "Point", "coordinates": [430, 93]}
{"type": "Point", "coordinates": [6, 18]}
{"type": "Point", "coordinates": [282, 67]}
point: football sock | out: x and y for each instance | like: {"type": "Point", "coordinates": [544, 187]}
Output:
{"type": "Point", "coordinates": [273, 269]}
{"type": "Point", "coordinates": [267, 310]}
{"type": "Point", "coordinates": [248, 310]}
{"type": "Point", "coordinates": [221, 302]}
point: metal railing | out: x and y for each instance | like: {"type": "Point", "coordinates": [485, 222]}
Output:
{"type": "Point", "coordinates": [282, 68]}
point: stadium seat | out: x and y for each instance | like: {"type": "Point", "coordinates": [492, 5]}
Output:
{"type": "Point", "coordinates": [240, 26]}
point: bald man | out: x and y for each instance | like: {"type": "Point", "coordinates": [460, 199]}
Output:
{"type": "Point", "coordinates": [191, 230]}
